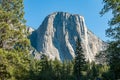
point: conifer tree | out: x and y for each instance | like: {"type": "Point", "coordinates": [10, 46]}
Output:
{"type": "Point", "coordinates": [79, 60]}
{"type": "Point", "coordinates": [114, 7]}
{"type": "Point", "coordinates": [113, 54]}
{"type": "Point", "coordinates": [14, 63]}
{"type": "Point", "coordinates": [114, 33]}
{"type": "Point", "coordinates": [12, 28]}
{"type": "Point", "coordinates": [57, 69]}
{"type": "Point", "coordinates": [46, 68]}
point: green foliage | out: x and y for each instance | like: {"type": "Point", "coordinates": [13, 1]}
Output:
{"type": "Point", "coordinates": [5, 32]}
{"type": "Point", "coordinates": [94, 71]}
{"type": "Point", "coordinates": [14, 65]}
{"type": "Point", "coordinates": [113, 51]}
{"type": "Point", "coordinates": [52, 70]}
{"type": "Point", "coordinates": [12, 28]}
{"type": "Point", "coordinates": [14, 45]}
{"type": "Point", "coordinates": [79, 60]}
{"type": "Point", "coordinates": [15, 7]}
{"type": "Point", "coordinates": [45, 69]}
{"type": "Point", "coordinates": [114, 7]}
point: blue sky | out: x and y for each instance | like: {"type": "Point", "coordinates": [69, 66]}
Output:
{"type": "Point", "coordinates": [37, 10]}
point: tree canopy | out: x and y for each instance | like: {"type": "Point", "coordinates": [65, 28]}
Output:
{"type": "Point", "coordinates": [12, 25]}
{"type": "Point", "coordinates": [112, 6]}
{"type": "Point", "coordinates": [113, 50]}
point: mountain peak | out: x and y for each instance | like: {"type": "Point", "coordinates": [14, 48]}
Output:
{"type": "Point", "coordinates": [56, 37]}
{"type": "Point", "coordinates": [64, 14]}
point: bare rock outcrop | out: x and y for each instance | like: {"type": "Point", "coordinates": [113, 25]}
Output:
{"type": "Point", "coordinates": [56, 37]}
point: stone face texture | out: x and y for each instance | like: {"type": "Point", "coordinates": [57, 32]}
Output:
{"type": "Point", "coordinates": [29, 30]}
{"type": "Point", "coordinates": [56, 37]}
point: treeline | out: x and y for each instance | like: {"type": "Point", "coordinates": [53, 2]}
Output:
{"type": "Point", "coordinates": [18, 66]}
{"type": "Point", "coordinates": [55, 70]}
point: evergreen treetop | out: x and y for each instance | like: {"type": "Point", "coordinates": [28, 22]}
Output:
{"type": "Point", "coordinates": [79, 59]}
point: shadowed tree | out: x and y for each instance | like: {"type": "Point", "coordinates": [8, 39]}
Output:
{"type": "Point", "coordinates": [79, 60]}
{"type": "Point", "coordinates": [114, 33]}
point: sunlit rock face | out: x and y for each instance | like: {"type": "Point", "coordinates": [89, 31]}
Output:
{"type": "Point", "coordinates": [56, 37]}
{"type": "Point", "coordinates": [29, 30]}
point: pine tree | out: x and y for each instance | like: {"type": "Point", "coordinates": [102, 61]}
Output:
{"type": "Point", "coordinates": [57, 69]}
{"type": "Point", "coordinates": [12, 28]}
{"type": "Point", "coordinates": [114, 58]}
{"type": "Point", "coordinates": [114, 33]}
{"type": "Point", "coordinates": [114, 30]}
{"type": "Point", "coordinates": [46, 68]}
{"type": "Point", "coordinates": [67, 70]}
{"type": "Point", "coordinates": [79, 60]}
{"type": "Point", "coordinates": [14, 65]}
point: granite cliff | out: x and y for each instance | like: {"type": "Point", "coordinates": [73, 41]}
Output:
{"type": "Point", "coordinates": [56, 37]}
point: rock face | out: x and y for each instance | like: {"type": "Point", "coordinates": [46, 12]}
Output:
{"type": "Point", "coordinates": [56, 37]}
{"type": "Point", "coordinates": [29, 30]}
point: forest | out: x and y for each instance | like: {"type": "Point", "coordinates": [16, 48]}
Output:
{"type": "Point", "coordinates": [17, 64]}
